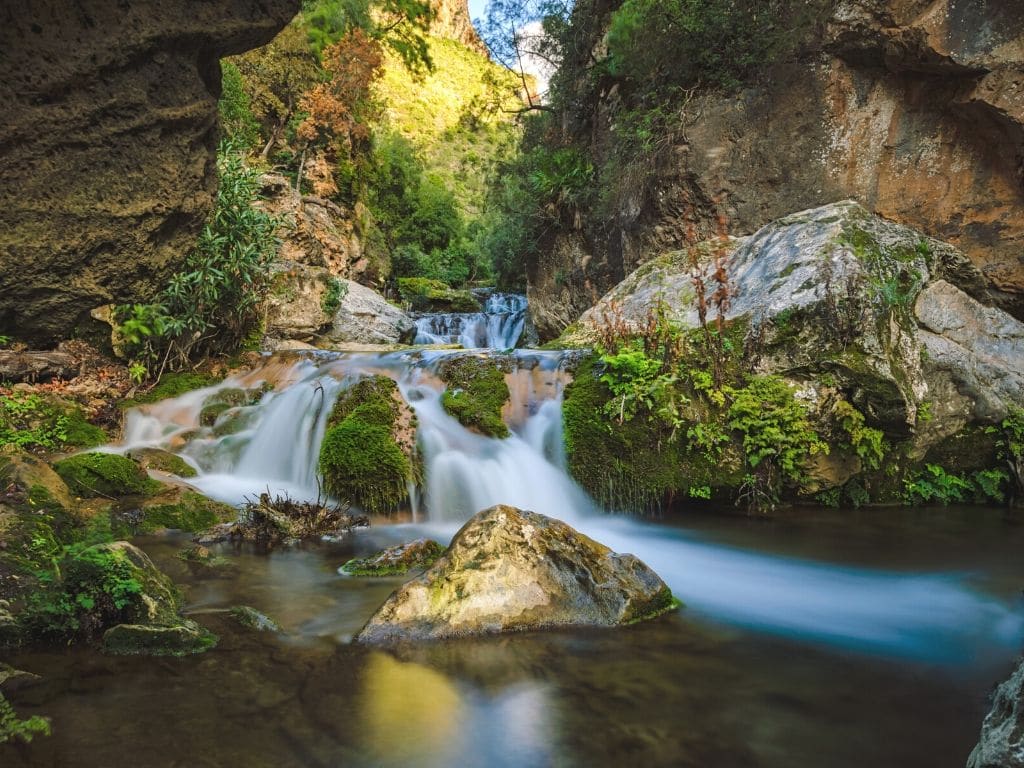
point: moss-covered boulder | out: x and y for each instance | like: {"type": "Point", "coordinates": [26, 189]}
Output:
{"type": "Point", "coordinates": [42, 421]}
{"type": "Point", "coordinates": [182, 509]}
{"type": "Point", "coordinates": [162, 461]}
{"type": "Point", "coordinates": [33, 483]}
{"type": "Point", "coordinates": [508, 570]}
{"type": "Point", "coordinates": [476, 392]}
{"type": "Point", "coordinates": [395, 561]}
{"type": "Point", "coordinates": [185, 638]}
{"type": "Point", "coordinates": [368, 452]}
{"type": "Point", "coordinates": [104, 474]}
{"type": "Point", "coordinates": [425, 295]}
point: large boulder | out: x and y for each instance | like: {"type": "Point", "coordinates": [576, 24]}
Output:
{"type": "Point", "coordinates": [899, 320]}
{"type": "Point", "coordinates": [365, 317]}
{"type": "Point", "coordinates": [107, 147]}
{"type": "Point", "coordinates": [508, 570]}
{"type": "Point", "coordinates": [1002, 733]}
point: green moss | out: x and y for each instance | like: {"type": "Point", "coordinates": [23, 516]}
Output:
{"type": "Point", "coordinates": [104, 474]}
{"type": "Point", "coordinates": [210, 413]}
{"type": "Point", "coordinates": [32, 420]}
{"type": "Point", "coordinates": [191, 512]}
{"type": "Point", "coordinates": [173, 385]}
{"type": "Point", "coordinates": [164, 461]}
{"type": "Point", "coordinates": [360, 459]}
{"type": "Point", "coordinates": [664, 602]}
{"type": "Point", "coordinates": [476, 393]}
{"type": "Point", "coordinates": [424, 294]}
{"type": "Point", "coordinates": [184, 639]}
{"type": "Point", "coordinates": [396, 561]}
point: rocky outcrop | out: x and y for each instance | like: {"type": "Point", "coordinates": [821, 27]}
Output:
{"type": "Point", "coordinates": [452, 20]}
{"type": "Point", "coordinates": [836, 298]}
{"type": "Point", "coordinates": [915, 108]}
{"type": "Point", "coordinates": [1002, 733]}
{"type": "Point", "coordinates": [365, 317]}
{"type": "Point", "coordinates": [508, 570]}
{"type": "Point", "coordinates": [107, 147]}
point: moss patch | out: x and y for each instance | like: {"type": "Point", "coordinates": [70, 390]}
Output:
{"type": "Point", "coordinates": [173, 385]}
{"type": "Point", "coordinates": [426, 295]}
{"type": "Point", "coordinates": [190, 511]}
{"type": "Point", "coordinates": [476, 393]}
{"type": "Point", "coordinates": [395, 561]}
{"type": "Point", "coordinates": [104, 474]}
{"type": "Point", "coordinates": [361, 459]}
{"type": "Point", "coordinates": [164, 461]}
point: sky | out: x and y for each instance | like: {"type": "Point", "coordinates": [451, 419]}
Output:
{"type": "Point", "coordinates": [477, 8]}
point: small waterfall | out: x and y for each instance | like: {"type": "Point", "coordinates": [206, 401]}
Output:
{"type": "Point", "coordinates": [499, 326]}
{"type": "Point", "coordinates": [921, 615]}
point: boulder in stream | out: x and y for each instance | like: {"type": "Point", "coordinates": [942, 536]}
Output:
{"type": "Point", "coordinates": [1002, 733]}
{"type": "Point", "coordinates": [509, 570]}
{"type": "Point", "coordinates": [395, 561]}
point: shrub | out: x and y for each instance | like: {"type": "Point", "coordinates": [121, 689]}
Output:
{"type": "Point", "coordinates": [936, 484]}
{"type": "Point", "coordinates": [12, 727]}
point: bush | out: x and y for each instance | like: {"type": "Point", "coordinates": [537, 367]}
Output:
{"type": "Point", "coordinates": [104, 474]}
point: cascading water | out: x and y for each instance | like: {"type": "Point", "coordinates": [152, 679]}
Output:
{"type": "Point", "coordinates": [499, 326]}
{"type": "Point", "coordinates": [935, 616]}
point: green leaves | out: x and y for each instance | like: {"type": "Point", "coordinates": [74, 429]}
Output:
{"type": "Point", "coordinates": [12, 727]}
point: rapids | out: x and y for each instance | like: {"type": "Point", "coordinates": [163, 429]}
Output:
{"type": "Point", "coordinates": [934, 616]}
{"type": "Point", "coordinates": [499, 326]}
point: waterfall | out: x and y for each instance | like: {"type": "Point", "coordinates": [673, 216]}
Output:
{"type": "Point", "coordinates": [924, 615]}
{"type": "Point", "coordinates": [499, 326]}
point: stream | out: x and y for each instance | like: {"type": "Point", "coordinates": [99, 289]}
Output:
{"type": "Point", "coordinates": [815, 638]}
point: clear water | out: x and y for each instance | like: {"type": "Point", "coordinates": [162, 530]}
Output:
{"type": "Point", "coordinates": [818, 638]}
{"type": "Point", "coordinates": [499, 326]}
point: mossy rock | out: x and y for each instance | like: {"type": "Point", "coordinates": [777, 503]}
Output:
{"type": "Point", "coordinates": [39, 485]}
{"type": "Point", "coordinates": [210, 413]}
{"type": "Point", "coordinates": [367, 457]}
{"type": "Point", "coordinates": [44, 421]}
{"type": "Point", "coordinates": [183, 510]}
{"type": "Point", "coordinates": [105, 474]}
{"type": "Point", "coordinates": [185, 638]}
{"type": "Point", "coordinates": [173, 385]}
{"type": "Point", "coordinates": [224, 400]}
{"type": "Point", "coordinates": [161, 460]}
{"type": "Point", "coordinates": [425, 295]}
{"type": "Point", "coordinates": [233, 421]}
{"type": "Point", "coordinates": [395, 561]}
{"type": "Point", "coordinates": [252, 619]}
{"type": "Point", "coordinates": [476, 393]}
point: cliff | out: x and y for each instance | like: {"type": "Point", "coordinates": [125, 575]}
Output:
{"type": "Point", "coordinates": [107, 147]}
{"type": "Point", "coordinates": [452, 21]}
{"type": "Point", "coordinates": [914, 108]}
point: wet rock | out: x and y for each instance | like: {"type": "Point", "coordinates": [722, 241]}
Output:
{"type": "Point", "coordinates": [1002, 733]}
{"type": "Point", "coordinates": [476, 392]}
{"type": "Point", "coordinates": [365, 317]}
{"type": "Point", "coordinates": [12, 679]}
{"type": "Point", "coordinates": [395, 561]}
{"type": "Point", "coordinates": [183, 509]}
{"type": "Point", "coordinates": [250, 618]}
{"type": "Point", "coordinates": [509, 570]}
{"type": "Point", "coordinates": [107, 475]}
{"type": "Point", "coordinates": [183, 639]}
{"type": "Point", "coordinates": [201, 559]}
{"type": "Point", "coordinates": [425, 295]}
{"type": "Point", "coordinates": [35, 481]}
{"type": "Point", "coordinates": [162, 461]}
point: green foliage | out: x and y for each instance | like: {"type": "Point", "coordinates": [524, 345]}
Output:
{"type": "Point", "coordinates": [867, 443]}
{"type": "Point", "coordinates": [333, 296]}
{"type": "Point", "coordinates": [990, 485]}
{"type": "Point", "coordinates": [476, 393]}
{"type": "Point", "coordinates": [12, 727]}
{"type": "Point", "coordinates": [35, 422]}
{"type": "Point", "coordinates": [777, 435]}
{"type": "Point", "coordinates": [360, 459]}
{"type": "Point", "coordinates": [425, 294]}
{"type": "Point", "coordinates": [104, 474]}
{"type": "Point", "coordinates": [172, 385]}
{"type": "Point", "coordinates": [89, 590]}
{"type": "Point", "coordinates": [399, 24]}
{"type": "Point", "coordinates": [215, 301]}
{"type": "Point", "coordinates": [640, 384]}
{"type": "Point", "coordinates": [236, 117]}
{"type": "Point", "coordinates": [935, 484]}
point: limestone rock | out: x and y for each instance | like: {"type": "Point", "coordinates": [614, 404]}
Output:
{"type": "Point", "coordinates": [1002, 733]}
{"type": "Point", "coordinates": [107, 147]}
{"type": "Point", "coordinates": [395, 561]}
{"type": "Point", "coordinates": [365, 317]}
{"type": "Point", "coordinates": [509, 570]}
{"type": "Point", "coordinates": [295, 306]}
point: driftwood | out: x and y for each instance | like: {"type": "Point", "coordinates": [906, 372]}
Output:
{"type": "Point", "coordinates": [36, 366]}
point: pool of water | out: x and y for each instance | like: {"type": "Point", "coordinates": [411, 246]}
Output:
{"type": "Point", "coordinates": [702, 687]}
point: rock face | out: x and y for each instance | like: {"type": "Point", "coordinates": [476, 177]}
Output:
{"type": "Point", "coordinates": [365, 317]}
{"type": "Point", "coordinates": [107, 147]}
{"type": "Point", "coordinates": [509, 570]}
{"type": "Point", "coordinates": [453, 21]}
{"type": "Point", "coordinates": [915, 108]}
{"type": "Point", "coordinates": [892, 316]}
{"type": "Point", "coordinates": [1002, 733]}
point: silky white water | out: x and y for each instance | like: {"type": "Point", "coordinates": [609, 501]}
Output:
{"type": "Point", "coordinates": [499, 326]}
{"type": "Point", "coordinates": [937, 616]}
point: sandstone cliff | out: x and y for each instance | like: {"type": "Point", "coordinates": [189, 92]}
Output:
{"type": "Point", "coordinates": [452, 21]}
{"type": "Point", "coordinates": [107, 147]}
{"type": "Point", "coordinates": [915, 108]}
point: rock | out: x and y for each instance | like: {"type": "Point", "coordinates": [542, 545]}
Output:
{"type": "Point", "coordinates": [183, 639]}
{"type": "Point", "coordinates": [108, 475]}
{"type": "Point", "coordinates": [365, 317]}
{"type": "Point", "coordinates": [108, 148]}
{"type": "Point", "coordinates": [181, 509]}
{"type": "Point", "coordinates": [509, 570]}
{"type": "Point", "coordinates": [36, 481]}
{"type": "Point", "coordinates": [37, 366]}
{"type": "Point", "coordinates": [914, 109]}
{"type": "Point", "coordinates": [162, 461]}
{"type": "Point", "coordinates": [476, 392]}
{"type": "Point", "coordinates": [395, 561]}
{"type": "Point", "coordinates": [250, 618]}
{"type": "Point", "coordinates": [426, 295]}
{"type": "Point", "coordinates": [12, 679]}
{"type": "Point", "coordinates": [1002, 733]}
{"type": "Point", "coordinates": [295, 305]}
{"type": "Point", "coordinates": [199, 558]}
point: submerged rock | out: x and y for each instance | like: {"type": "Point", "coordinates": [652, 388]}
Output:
{"type": "Point", "coordinates": [250, 618]}
{"type": "Point", "coordinates": [510, 570]}
{"type": "Point", "coordinates": [182, 639]}
{"type": "Point", "coordinates": [395, 561]}
{"type": "Point", "coordinates": [1002, 733]}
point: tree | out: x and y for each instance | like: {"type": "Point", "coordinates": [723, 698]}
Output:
{"type": "Point", "coordinates": [400, 25]}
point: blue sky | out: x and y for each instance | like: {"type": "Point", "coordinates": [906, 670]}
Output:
{"type": "Point", "coordinates": [476, 8]}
